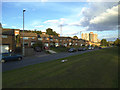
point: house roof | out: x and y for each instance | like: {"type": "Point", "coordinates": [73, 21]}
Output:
{"type": "Point", "coordinates": [65, 37]}
{"type": "Point", "coordinates": [8, 32]}
{"type": "Point", "coordinates": [28, 34]}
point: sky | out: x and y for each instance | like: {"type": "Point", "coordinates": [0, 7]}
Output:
{"type": "Point", "coordinates": [96, 17]}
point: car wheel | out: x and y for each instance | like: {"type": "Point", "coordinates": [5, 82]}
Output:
{"type": "Point", "coordinates": [19, 58]}
{"type": "Point", "coordinates": [3, 61]}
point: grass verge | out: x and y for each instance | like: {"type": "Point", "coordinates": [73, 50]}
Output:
{"type": "Point", "coordinates": [97, 69]}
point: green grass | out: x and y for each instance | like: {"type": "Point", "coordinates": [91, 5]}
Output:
{"type": "Point", "coordinates": [59, 49]}
{"type": "Point", "coordinates": [97, 69]}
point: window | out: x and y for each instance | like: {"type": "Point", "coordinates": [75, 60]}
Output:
{"type": "Point", "coordinates": [32, 43]}
{"type": "Point", "coordinates": [46, 44]}
{"type": "Point", "coordinates": [25, 38]}
{"type": "Point", "coordinates": [51, 39]}
{"type": "Point", "coordinates": [51, 43]}
{"type": "Point", "coordinates": [65, 44]}
{"type": "Point", "coordinates": [4, 36]}
{"type": "Point", "coordinates": [33, 37]}
{"type": "Point", "coordinates": [56, 44]}
{"type": "Point", "coordinates": [26, 43]}
{"type": "Point", "coordinates": [70, 43]}
{"type": "Point", "coordinates": [39, 38]}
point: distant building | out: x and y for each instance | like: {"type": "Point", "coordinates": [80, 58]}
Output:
{"type": "Point", "coordinates": [85, 36]}
{"type": "Point", "coordinates": [90, 37]}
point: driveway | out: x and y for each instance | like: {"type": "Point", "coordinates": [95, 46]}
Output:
{"type": "Point", "coordinates": [38, 59]}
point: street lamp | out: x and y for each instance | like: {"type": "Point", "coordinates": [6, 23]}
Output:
{"type": "Point", "coordinates": [23, 51]}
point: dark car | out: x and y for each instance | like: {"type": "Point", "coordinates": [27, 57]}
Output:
{"type": "Point", "coordinates": [37, 49]}
{"type": "Point", "coordinates": [72, 50]}
{"type": "Point", "coordinates": [10, 56]}
{"type": "Point", "coordinates": [100, 47]}
{"type": "Point", "coordinates": [82, 49]}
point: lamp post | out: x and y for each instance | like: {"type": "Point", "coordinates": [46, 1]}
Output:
{"type": "Point", "coordinates": [23, 51]}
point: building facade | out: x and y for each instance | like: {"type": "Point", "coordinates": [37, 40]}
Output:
{"type": "Point", "coordinates": [13, 38]}
{"type": "Point", "coordinates": [8, 40]}
{"type": "Point", "coordinates": [90, 37]}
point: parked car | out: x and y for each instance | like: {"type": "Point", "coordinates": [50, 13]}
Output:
{"type": "Point", "coordinates": [100, 47]}
{"type": "Point", "coordinates": [82, 49]}
{"type": "Point", "coordinates": [10, 56]}
{"type": "Point", "coordinates": [72, 50]}
{"type": "Point", "coordinates": [37, 49]}
{"type": "Point", "coordinates": [92, 47]}
{"type": "Point", "coordinates": [89, 48]}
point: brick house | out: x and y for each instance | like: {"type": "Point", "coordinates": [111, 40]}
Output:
{"type": "Point", "coordinates": [8, 40]}
{"type": "Point", "coordinates": [29, 38]}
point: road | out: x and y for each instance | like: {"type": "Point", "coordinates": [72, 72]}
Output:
{"type": "Point", "coordinates": [35, 60]}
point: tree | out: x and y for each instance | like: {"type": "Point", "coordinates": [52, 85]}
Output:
{"type": "Point", "coordinates": [104, 42]}
{"type": "Point", "coordinates": [50, 31]}
{"type": "Point", "coordinates": [117, 42]}
{"type": "Point", "coordinates": [75, 37]}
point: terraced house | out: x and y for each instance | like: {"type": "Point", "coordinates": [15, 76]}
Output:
{"type": "Point", "coordinates": [14, 38]}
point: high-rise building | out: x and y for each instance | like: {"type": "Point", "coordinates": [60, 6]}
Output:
{"type": "Point", "coordinates": [90, 37]}
{"type": "Point", "coordinates": [85, 36]}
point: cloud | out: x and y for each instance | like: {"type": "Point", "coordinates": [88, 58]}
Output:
{"type": "Point", "coordinates": [74, 24]}
{"type": "Point", "coordinates": [106, 17]}
{"type": "Point", "coordinates": [13, 26]}
{"type": "Point", "coordinates": [4, 25]}
{"type": "Point", "coordinates": [44, 0]}
{"type": "Point", "coordinates": [100, 16]}
{"type": "Point", "coordinates": [51, 21]}
{"type": "Point", "coordinates": [35, 22]}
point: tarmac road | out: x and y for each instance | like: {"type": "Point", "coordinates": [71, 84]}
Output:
{"type": "Point", "coordinates": [38, 59]}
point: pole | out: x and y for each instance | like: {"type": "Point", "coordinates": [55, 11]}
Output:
{"type": "Point", "coordinates": [23, 51]}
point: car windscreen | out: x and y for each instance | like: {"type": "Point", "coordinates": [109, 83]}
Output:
{"type": "Point", "coordinates": [5, 54]}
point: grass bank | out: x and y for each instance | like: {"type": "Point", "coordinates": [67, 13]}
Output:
{"type": "Point", "coordinates": [97, 69]}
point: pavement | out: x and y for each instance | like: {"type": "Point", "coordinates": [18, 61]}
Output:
{"type": "Point", "coordinates": [51, 51]}
{"type": "Point", "coordinates": [38, 58]}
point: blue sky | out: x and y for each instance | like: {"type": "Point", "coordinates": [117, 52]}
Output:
{"type": "Point", "coordinates": [76, 17]}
